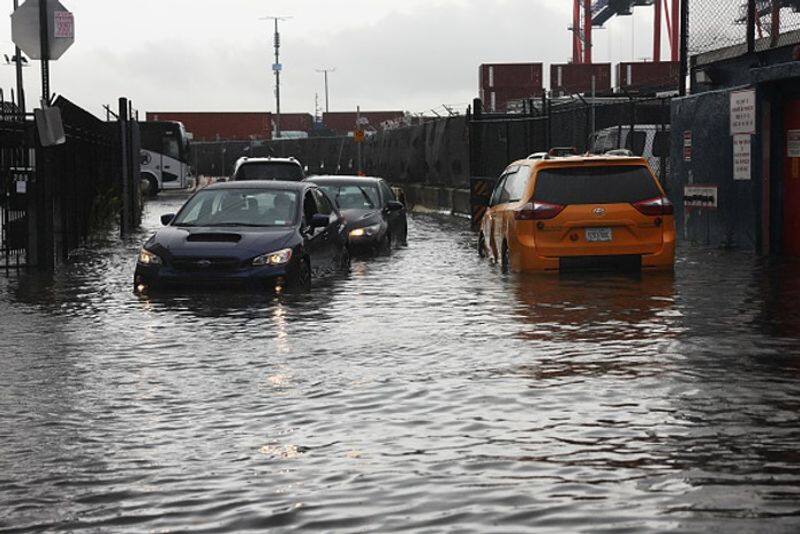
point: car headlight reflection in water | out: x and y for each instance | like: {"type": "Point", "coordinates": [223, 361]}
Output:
{"type": "Point", "coordinates": [366, 231]}
{"type": "Point", "coordinates": [273, 258]}
{"type": "Point", "coordinates": [148, 258]}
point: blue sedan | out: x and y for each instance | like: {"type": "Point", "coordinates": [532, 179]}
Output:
{"type": "Point", "coordinates": [246, 233]}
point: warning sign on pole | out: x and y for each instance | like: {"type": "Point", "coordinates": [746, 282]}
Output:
{"type": "Point", "coordinates": [64, 25]}
{"type": "Point", "coordinates": [743, 112]}
{"type": "Point", "coordinates": [687, 146]}
{"type": "Point", "coordinates": [742, 157]}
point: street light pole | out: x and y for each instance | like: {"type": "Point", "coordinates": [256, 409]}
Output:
{"type": "Point", "coordinates": [276, 68]}
{"type": "Point", "coordinates": [327, 98]}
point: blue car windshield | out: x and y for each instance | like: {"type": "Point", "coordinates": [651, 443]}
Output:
{"type": "Point", "coordinates": [239, 207]}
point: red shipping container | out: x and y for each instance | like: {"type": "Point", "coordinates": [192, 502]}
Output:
{"type": "Point", "coordinates": [224, 126]}
{"type": "Point", "coordinates": [518, 76]}
{"type": "Point", "coordinates": [295, 122]}
{"type": "Point", "coordinates": [637, 76]}
{"type": "Point", "coordinates": [574, 78]}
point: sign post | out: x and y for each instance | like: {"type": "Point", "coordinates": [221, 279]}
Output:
{"type": "Point", "coordinates": [44, 36]}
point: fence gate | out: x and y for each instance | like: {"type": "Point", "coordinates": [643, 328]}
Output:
{"type": "Point", "coordinates": [16, 180]}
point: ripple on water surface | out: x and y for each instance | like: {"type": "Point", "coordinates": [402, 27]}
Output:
{"type": "Point", "coordinates": [425, 391]}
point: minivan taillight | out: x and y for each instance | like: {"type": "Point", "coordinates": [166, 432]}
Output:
{"type": "Point", "coordinates": [538, 211]}
{"type": "Point", "coordinates": [655, 207]}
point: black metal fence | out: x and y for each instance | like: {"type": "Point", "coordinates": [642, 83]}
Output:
{"type": "Point", "coordinates": [52, 198]}
{"type": "Point", "coordinates": [433, 153]}
{"type": "Point", "coordinates": [638, 124]}
{"type": "Point", "coordinates": [14, 179]}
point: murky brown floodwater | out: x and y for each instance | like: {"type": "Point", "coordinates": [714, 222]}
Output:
{"type": "Point", "coordinates": [423, 392]}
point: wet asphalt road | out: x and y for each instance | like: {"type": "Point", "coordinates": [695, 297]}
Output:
{"type": "Point", "coordinates": [425, 392]}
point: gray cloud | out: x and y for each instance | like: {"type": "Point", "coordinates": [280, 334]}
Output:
{"type": "Point", "coordinates": [182, 55]}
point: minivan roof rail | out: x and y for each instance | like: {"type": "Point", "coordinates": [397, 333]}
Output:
{"type": "Point", "coordinates": [562, 151]}
{"type": "Point", "coordinates": [624, 152]}
{"type": "Point", "coordinates": [539, 155]}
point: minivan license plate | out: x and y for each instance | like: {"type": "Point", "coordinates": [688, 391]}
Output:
{"type": "Point", "coordinates": [599, 235]}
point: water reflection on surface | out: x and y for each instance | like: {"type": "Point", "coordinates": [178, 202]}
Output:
{"type": "Point", "coordinates": [422, 391]}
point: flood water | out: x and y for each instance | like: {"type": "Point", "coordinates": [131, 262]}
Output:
{"type": "Point", "coordinates": [425, 392]}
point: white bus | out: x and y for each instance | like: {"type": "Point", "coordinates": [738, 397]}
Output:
{"type": "Point", "coordinates": [165, 156]}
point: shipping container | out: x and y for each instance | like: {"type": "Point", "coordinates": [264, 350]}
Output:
{"type": "Point", "coordinates": [526, 76]}
{"type": "Point", "coordinates": [503, 82]}
{"type": "Point", "coordinates": [648, 76]}
{"type": "Point", "coordinates": [297, 122]}
{"type": "Point", "coordinates": [576, 78]}
{"type": "Point", "coordinates": [220, 126]}
{"type": "Point", "coordinates": [234, 126]}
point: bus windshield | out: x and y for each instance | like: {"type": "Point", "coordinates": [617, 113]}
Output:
{"type": "Point", "coordinates": [166, 138]}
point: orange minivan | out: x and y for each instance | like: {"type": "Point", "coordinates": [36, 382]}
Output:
{"type": "Point", "coordinates": [576, 212]}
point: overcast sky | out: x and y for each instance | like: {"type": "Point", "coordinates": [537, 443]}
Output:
{"type": "Point", "coordinates": [210, 55]}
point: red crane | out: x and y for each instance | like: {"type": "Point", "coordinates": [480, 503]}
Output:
{"type": "Point", "coordinates": [589, 13]}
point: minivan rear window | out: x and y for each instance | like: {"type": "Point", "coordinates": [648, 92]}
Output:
{"type": "Point", "coordinates": [289, 172]}
{"type": "Point", "coordinates": [595, 185]}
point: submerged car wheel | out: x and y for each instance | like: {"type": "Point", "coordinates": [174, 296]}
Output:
{"type": "Point", "coordinates": [152, 185]}
{"type": "Point", "coordinates": [344, 260]}
{"type": "Point", "coordinates": [385, 246]}
{"type": "Point", "coordinates": [302, 278]}
{"type": "Point", "coordinates": [505, 261]}
{"type": "Point", "coordinates": [481, 246]}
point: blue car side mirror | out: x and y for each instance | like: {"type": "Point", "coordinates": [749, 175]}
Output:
{"type": "Point", "coordinates": [394, 205]}
{"type": "Point", "coordinates": [166, 219]}
{"type": "Point", "coordinates": [320, 221]}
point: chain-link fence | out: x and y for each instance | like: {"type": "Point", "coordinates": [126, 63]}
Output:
{"type": "Point", "coordinates": [638, 124]}
{"type": "Point", "coordinates": [723, 24]}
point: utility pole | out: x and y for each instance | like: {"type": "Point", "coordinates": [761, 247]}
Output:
{"type": "Point", "coordinates": [327, 99]}
{"type": "Point", "coordinates": [359, 141]}
{"type": "Point", "coordinates": [276, 68]}
{"type": "Point", "coordinates": [20, 84]}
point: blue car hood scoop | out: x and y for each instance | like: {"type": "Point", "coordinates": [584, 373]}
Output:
{"type": "Point", "coordinates": [214, 237]}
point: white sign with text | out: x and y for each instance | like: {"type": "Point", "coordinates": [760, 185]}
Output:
{"type": "Point", "coordinates": [743, 112]}
{"type": "Point", "coordinates": [742, 157]}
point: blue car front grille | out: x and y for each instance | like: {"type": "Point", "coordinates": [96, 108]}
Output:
{"type": "Point", "coordinates": [205, 265]}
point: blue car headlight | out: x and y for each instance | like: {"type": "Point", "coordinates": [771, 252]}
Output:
{"type": "Point", "coordinates": [366, 231]}
{"type": "Point", "coordinates": [149, 258]}
{"type": "Point", "coordinates": [273, 258]}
